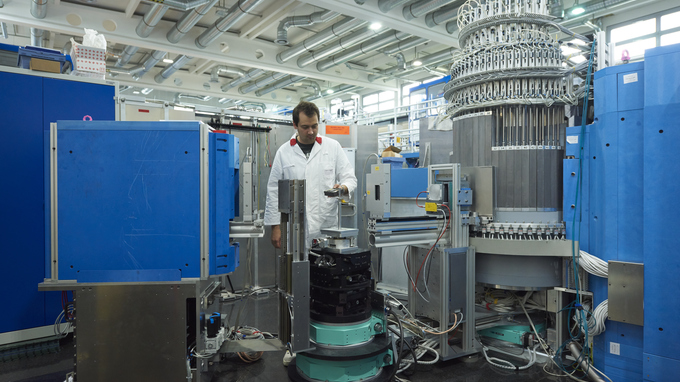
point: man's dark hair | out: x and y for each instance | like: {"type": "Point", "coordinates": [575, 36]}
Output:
{"type": "Point", "coordinates": [308, 108]}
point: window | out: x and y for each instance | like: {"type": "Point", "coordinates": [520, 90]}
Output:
{"type": "Point", "coordinates": [378, 102]}
{"type": "Point", "coordinates": [649, 32]}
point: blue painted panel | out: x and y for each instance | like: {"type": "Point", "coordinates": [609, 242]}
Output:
{"type": "Point", "coordinates": [660, 369]}
{"type": "Point", "coordinates": [662, 172]}
{"type": "Point", "coordinates": [139, 211]}
{"type": "Point", "coordinates": [608, 84]}
{"type": "Point", "coordinates": [21, 201]}
{"type": "Point", "coordinates": [223, 189]}
{"type": "Point", "coordinates": [73, 100]}
{"type": "Point", "coordinates": [137, 275]}
{"type": "Point", "coordinates": [408, 182]}
{"type": "Point", "coordinates": [630, 90]}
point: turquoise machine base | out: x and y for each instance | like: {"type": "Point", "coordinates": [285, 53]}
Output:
{"type": "Point", "coordinates": [510, 333]}
{"type": "Point", "coordinates": [343, 335]}
{"type": "Point", "coordinates": [343, 371]}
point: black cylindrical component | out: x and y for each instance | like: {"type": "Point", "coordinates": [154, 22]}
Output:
{"type": "Point", "coordinates": [214, 324]}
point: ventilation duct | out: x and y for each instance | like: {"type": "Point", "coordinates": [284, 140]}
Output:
{"type": "Point", "coordinates": [442, 55]}
{"type": "Point", "coordinates": [182, 5]}
{"type": "Point", "coordinates": [236, 12]}
{"type": "Point", "coordinates": [3, 29]}
{"type": "Point", "coordinates": [188, 20]}
{"type": "Point", "coordinates": [247, 77]}
{"type": "Point", "coordinates": [134, 70]}
{"type": "Point", "coordinates": [299, 21]}
{"type": "Point", "coordinates": [37, 35]}
{"type": "Point", "coordinates": [387, 5]}
{"type": "Point", "coordinates": [224, 100]}
{"type": "Point", "coordinates": [322, 37]}
{"type": "Point", "coordinates": [344, 43]}
{"type": "Point", "coordinates": [312, 84]}
{"type": "Point", "coordinates": [403, 45]}
{"type": "Point", "coordinates": [254, 105]}
{"type": "Point", "coordinates": [39, 11]}
{"type": "Point", "coordinates": [443, 15]}
{"type": "Point", "coordinates": [191, 96]}
{"type": "Point", "coordinates": [366, 47]}
{"type": "Point", "coordinates": [336, 91]}
{"type": "Point", "coordinates": [127, 54]}
{"type": "Point", "coordinates": [214, 73]}
{"type": "Point", "coordinates": [150, 62]}
{"type": "Point", "coordinates": [150, 19]}
{"type": "Point", "coordinates": [420, 8]}
{"type": "Point", "coordinates": [172, 68]}
{"type": "Point", "coordinates": [261, 82]}
{"type": "Point", "coordinates": [281, 84]}
{"type": "Point", "coordinates": [452, 26]}
{"type": "Point", "coordinates": [401, 61]}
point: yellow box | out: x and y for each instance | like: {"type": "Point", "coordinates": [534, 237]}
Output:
{"type": "Point", "coordinates": [431, 207]}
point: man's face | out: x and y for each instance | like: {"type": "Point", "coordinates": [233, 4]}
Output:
{"type": "Point", "coordinates": [307, 128]}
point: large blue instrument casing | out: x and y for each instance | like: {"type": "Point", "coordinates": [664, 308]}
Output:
{"type": "Point", "coordinates": [143, 201]}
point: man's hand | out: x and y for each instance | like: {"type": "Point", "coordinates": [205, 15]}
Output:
{"type": "Point", "coordinates": [345, 190]}
{"type": "Point", "coordinates": [276, 236]}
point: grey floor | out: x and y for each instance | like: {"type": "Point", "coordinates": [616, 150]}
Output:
{"type": "Point", "coordinates": [262, 313]}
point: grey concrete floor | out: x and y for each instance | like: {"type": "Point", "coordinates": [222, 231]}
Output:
{"type": "Point", "coordinates": [261, 313]}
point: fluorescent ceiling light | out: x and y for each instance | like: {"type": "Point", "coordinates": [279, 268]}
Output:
{"type": "Point", "coordinates": [146, 91]}
{"type": "Point", "coordinates": [375, 26]}
{"type": "Point", "coordinates": [578, 10]}
{"type": "Point", "coordinates": [330, 91]}
{"type": "Point", "coordinates": [135, 92]}
{"type": "Point", "coordinates": [180, 108]}
{"type": "Point", "coordinates": [417, 63]}
{"type": "Point", "coordinates": [168, 61]}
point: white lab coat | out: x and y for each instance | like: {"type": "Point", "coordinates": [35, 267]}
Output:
{"type": "Point", "coordinates": [327, 165]}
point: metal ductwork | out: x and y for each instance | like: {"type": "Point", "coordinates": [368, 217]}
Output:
{"type": "Point", "coordinates": [188, 20]}
{"type": "Point", "coordinates": [150, 62]}
{"type": "Point", "coordinates": [236, 12]}
{"type": "Point", "coordinates": [127, 54]}
{"type": "Point", "coordinates": [443, 14]}
{"type": "Point", "coordinates": [39, 8]}
{"type": "Point", "coordinates": [322, 37]}
{"type": "Point", "coordinates": [280, 84]}
{"type": "Point", "coordinates": [312, 84]}
{"type": "Point", "coordinates": [442, 55]}
{"type": "Point", "coordinates": [420, 8]}
{"type": "Point", "coordinates": [387, 5]}
{"type": "Point", "coordinates": [344, 43]}
{"type": "Point", "coordinates": [247, 77]}
{"type": "Point", "coordinates": [214, 73]}
{"type": "Point", "coordinates": [191, 96]}
{"type": "Point", "coordinates": [37, 35]}
{"type": "Point", "coordinates": [182, 5]}
{"type": "Point", "coordinates": [150, 19]}
{"type": "Point", "coordinates": [299, 21]}
{"type": "Point", "coordinates": [452, 26]}
{"type": "Point", "coordinates": [39, 11]}
{"type": "Point", "coordinates": [557, 8]}
{"type": "Point", "coordinates": [403, 45]}
{"type": "Point", "coordinates": [259, 105]}
{"type": "Point", "coordinates": [366, 47]}
{"type": "Point", "coordinates": [3, 29]}
{"type": "Point", "coordinates": [224, 100]}
{"type": "Point", "coordinates": [401, 61]}
{"type": "Point", "coordinates": [172, 68]}
{"type": "Point", "coordinates": [133, 70]}
{"type": "Point", "coordinates": [261, 82]}
{"type": "Point", "coordinates": [336, 91]}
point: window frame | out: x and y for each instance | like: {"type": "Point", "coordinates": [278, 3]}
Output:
{"type": "Point", "coordinates": [657, 33]}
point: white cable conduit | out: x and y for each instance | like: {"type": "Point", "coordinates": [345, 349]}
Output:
{"type": "Point", "coordinates": [322, 37]}
{"type": "Point", "coordinates": [299, 21]}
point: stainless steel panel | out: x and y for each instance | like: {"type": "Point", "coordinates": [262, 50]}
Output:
{"type": "Point", "coordinates": [626, 292]}
{"type": "Point", "coordinates": [366, 144]}
{"type": "Point", "coordinates": [518, 272]}
{"type": "Point", "coordinates": [138, 330]}
{"type": "Point", "coordinates": [441, 143]}
{"type": "Point", "coordinates": [482, 182]}
{"type": "Point", "coordinates": [300, 307]}
{"type": "Point", "coordinates": [558, 248]}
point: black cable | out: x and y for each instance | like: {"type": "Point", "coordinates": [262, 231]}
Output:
{"type": "Point", "coordinates": [230, 285]}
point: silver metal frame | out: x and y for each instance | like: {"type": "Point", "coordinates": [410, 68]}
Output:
{"type": "Point", "coordinates": [205, 199]}
{"type": "Point", "coordinates": [54, 227]}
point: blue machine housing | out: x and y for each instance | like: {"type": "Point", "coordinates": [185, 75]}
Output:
{"type": "Point", "coordinates": [129, 201]}
{"type": "Point", "coordinates": [630, 166]}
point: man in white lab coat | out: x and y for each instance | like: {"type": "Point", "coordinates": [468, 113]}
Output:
{"type": "Point", "coordinates": [321, 162]}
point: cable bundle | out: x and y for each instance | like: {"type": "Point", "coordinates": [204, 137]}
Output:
{"type": "Point", "coordinates": [594, 265]}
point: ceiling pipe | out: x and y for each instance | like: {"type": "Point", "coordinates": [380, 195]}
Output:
{"type": "Point", "coordinates": [188, 20]}
{"type": "Point", "coordinates": [280, 84]}
{"type": "Point", "coordinates": [150, 19]}
{"type": "Point", "coordinates": [131, 71]}
{"type": "Point", "coordinates": [150, 62]}
{"type": "Point", "coordinates": [247, 77]}
{"type": "Point", "coordinates": [401, 61]}
{"type": "Point", "coordinates": [179, 96]}
{"type": "Point", "coordinates": [236, 12]}
{"type": "Point", "coordinates": [172, 68]}
{"type": "Point", "coordinates": [403, 45]}
{"type": "Point", "coordinates": [452, 26]}
{"type": "Point", "coordinates": [261, 82]}
{"type": "Point", "coordinates": [336, 91]}
{"type": "Point", "coordinates": [422, 7]}
{"type": "Point", "coordinates": [442, 55]}
{"type": "Point", "coordinates": [224, 100]}
{"type": "Point", "coordinates": [313, 84]}
{"type": "Point", "coordinates": [387, 5]}
{"type": "Point", "coordinates": [3, 29]}
{"type": "Point", "coordinates": [322, 37]}
{"type": "Point", "coordinates": [183, 5]}
{"type": "Point", "coordinates": [366, 47]}
{"type": "Point", "coordinates": [39, 8]}
{"type": "Point", "coordinates": [300, 21]}
{"type": "Point", "coordinates": [254, 104]}
{"type": "Point", "coordinates": [343, 43]}
{"type": "Point", "coordinates": [127, 54]}
{"type": "Point", "coordinates": [214, 73]}
{"type": "Point", "coordinates": [39, 11]}
{"type": "Point", "coordinates": [443, 14]}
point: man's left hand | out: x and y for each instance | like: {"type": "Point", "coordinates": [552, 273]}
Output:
{"type": "Point", "coordinates": [345, 190]}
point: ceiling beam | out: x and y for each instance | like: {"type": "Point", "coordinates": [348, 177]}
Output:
{"type": "Point", "coordinates": [227, 49]}
{"type": "Point", "coordinates": [272, 15]}
{"type": "Point", "coordinates": [392, 19]}
{"type": "Point", "coordinates": [131, 8]}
